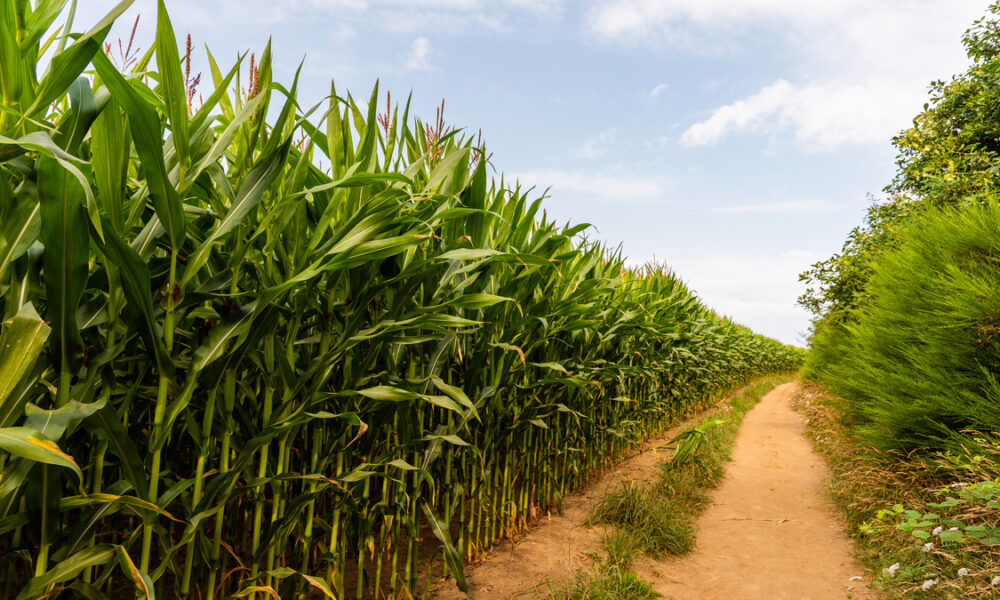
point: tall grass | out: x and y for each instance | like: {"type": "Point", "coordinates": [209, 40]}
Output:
{"type": "Point", "coordinates": [227, 372]}
{"type": "Point", "coordinates": [920, 363]}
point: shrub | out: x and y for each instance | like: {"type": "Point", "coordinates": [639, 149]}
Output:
{"type": "Point", "coordinates": [920, 363]}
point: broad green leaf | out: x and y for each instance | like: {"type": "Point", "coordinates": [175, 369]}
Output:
{"type": "Point", "coordinates": [67, 569]}
{"type": "Point", "coordinates": [135, 280]}
{"type": "Point", "coordinates": [247, 198]}
{"type": "Point", "coordinates": [388, 393]}
{"type": "Point", "coordinates": [64, 68]}
{"type": "Point", "coordinates": [452, 558]}
{"type": "Point", "coordinates": [21, 341]}
{"type": "Point", "coordinates": [29, 444]}
{"type": "Point", "coordinates": [110, 142]}
{"type": "Point", "coordinates": [145, 127]}
{"type": "Point", "coordinates": [174, 93]}
{"type": "Point", "coordinates": [65, 235]}
{"type": "Point", "coordinates": [108, 425]}
{"type": "Point", "coordinates": [469, 254]}
{"type": "Point", "coordinates": [950, 536]}
{"type": "Point", "coordinates": [143, 584]}
{"type": "Point", "coordinates": [12, 66]}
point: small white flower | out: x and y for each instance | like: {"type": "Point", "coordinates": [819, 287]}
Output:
{"type": "Point", "coordinates": [928, 547]}
{"type": "Point", "coordinates": [891, 570]}
{"type": "Point", "coordinates": [929, 584]}
{"type": "Point", "coordinates": [963, 572]}
{"type": "Point", "coordinates": [937, 530]}
{"type": "Point", "coordinates": [995, 581]}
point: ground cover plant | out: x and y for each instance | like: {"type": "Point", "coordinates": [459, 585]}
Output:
{"type": "Point", "coordinates": [659, 520]}
{"type": "Point", "coordinates": [922, 523]}
{"type": "Point", "coordinates": [248, 355]}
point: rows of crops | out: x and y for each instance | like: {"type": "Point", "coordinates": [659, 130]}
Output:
{"type": "Point", "coordinates": [248, 355]}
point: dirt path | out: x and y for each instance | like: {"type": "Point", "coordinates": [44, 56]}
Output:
{"type": "Point", "coordinates": [769, 533]}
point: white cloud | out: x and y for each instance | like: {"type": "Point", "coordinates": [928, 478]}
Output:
{"type": "Point", "coordinates": [657, 90]}
{"type": "Point", "coordinates": [859, 71]}
{"type": "Point", "coordinates": [419, 57]}
{"type": "Point", "coordinates": [443, 16]}
{"type": "Point", "coordinates": [598, 146]}
{"type": "Point", "coordinates": [758, 288]}
{"type": "Point", "coordinates": [569, 186]}
{"type": "Point", "coordinates": [542, 8]}
{"type": "Point", "coordinates": [741, 115]}
{"type": "Point", "coordinates": [658, 142]}
{"type": "Point", "coordinates": [821, 115]}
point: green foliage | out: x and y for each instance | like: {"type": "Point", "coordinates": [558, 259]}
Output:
{"type": "Point", "coordinates": [946, 526]}
{"type": "Point", "coordinates": [688, 442]}
{"type": "Point", "coordinates": [837, 286]}
{"type": "Point", "coordinates": [610, 583]}
{"type": "Point", "coordinates": [919, 363]}
{"type": "Point", "coordinates": [949, 157]}
{"type": "Point", "coordinates": [239, 373]}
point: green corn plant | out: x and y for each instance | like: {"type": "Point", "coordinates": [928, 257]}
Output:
{"type": "Point", "coordinates": [687, 443]}
{"type": "Point", "coordinates": [267, 349]}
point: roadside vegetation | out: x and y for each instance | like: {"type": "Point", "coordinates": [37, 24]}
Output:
{"type": "Point", "coordinates": [925, 524]}
{"type": "Point", "coordinates": [906, 343]}
{"type": "Point", "coordinates": [253, 346]}
{"type": "Point", "coordinates": [659, 520]}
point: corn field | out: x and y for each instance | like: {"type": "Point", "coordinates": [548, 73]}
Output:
{"type": "Point", "coordinates": [253, 348]}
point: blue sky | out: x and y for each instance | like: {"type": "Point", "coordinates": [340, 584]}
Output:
{"type": "Point", "coordinates": [734, 140]}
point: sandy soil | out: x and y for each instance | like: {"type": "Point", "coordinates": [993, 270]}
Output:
{"type": "Point", "coordinates": [770, 532]}
{"type": "Point", "coordinates": [559, 544]}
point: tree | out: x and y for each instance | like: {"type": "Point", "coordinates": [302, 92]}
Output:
{"type": "Point", "coordinates": [950, 156]}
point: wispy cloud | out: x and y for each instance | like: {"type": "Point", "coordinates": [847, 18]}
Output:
{"type": "Point", "coordinates": [657, 90]}
{"type": "Point", "coordinates": [418, 58]}
{"type": "Point", "coordinates": [658, 142]}
{"type": "Point", "coordinates": [568, 186]}
{"type": "Point", "coordinates": [598, 146]}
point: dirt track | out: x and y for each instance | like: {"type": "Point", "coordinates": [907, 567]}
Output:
{"type": "Point", "coordinates": [770, 531]}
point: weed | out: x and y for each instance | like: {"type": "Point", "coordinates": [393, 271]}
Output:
{"type": "Point", "coordinates": [620, 547]}
{"type": "Point", "coordinates": [609, 583]}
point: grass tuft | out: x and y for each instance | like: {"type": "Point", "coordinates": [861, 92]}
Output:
{"type": "Point", "coordinates": [609, 583]}
{"type": "Point", "coordinates": [649, 518]}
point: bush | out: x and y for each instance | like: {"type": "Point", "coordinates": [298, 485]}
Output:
{"type": "Point", "coordinates": [919, 364]}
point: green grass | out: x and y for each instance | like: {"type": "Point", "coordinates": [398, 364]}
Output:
{"type": "Point", "coordinates": [608, 583]}
{"type": "Point", "coordinates": [648, 517]}
{"type": "Point", "coordinates": [875, 490]}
